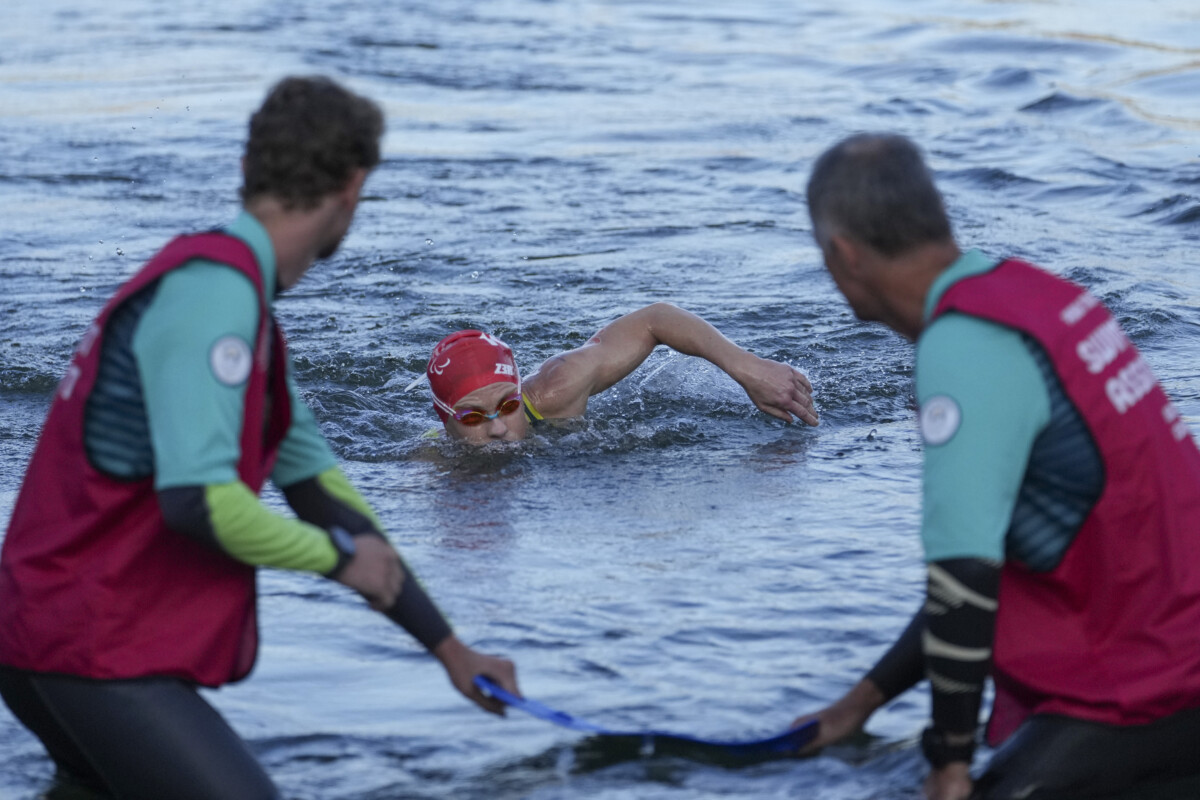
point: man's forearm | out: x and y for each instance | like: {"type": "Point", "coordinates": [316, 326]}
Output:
{"type": "Point", "coordinates": [329, 499]}
{"type": "Point", "coordinates": [903, 665]}
{"type": "Point", "coordinates": [960, 614]}
{"type": "Point", "coordinates": [415, 611]}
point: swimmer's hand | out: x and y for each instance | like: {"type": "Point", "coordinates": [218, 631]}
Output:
{"type": "Point", "coordinates": [374, 571]}
{"type": "Point", "coordinates": [775, 388]}
{"type": "Point", "coordinates": [951, 782]}
{"type": "Point", "coordinates": [462, 664]}
{"type": "Point", "coordinates": [845, 717]}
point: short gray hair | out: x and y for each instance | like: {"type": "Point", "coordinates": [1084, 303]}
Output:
{"type": "Point", "coordinates": [874, 188]}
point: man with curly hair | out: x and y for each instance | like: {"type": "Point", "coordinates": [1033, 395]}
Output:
{"type": "Point", "coordinates": [127, 577]}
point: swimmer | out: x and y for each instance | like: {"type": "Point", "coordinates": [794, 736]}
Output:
{"type": "Point", "coordinates": [480, 397]}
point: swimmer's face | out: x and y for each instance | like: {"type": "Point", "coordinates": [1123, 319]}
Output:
{"type": "Point", "coordinates": [504, 428]}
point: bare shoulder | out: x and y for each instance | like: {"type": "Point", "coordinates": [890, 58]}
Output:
{"type": "Point", "coordinates": [559, 389]}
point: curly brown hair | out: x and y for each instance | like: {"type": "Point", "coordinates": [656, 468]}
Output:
{"type": "Point", "coordinates": [306, 141]}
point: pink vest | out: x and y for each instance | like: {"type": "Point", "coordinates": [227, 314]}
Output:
{"type": "Point", "coordinates": [92, 582]}
{"type": "Point", "coordinates": [1112, 634]}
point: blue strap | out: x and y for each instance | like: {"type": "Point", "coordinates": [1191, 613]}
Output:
{"type": "Point", "coordinates": [787, 743]}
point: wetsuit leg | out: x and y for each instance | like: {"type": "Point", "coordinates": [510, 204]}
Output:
{"type": "Point", "coordinates": [21, 698]}
{"type": "Point", "coordinates": [1062, 758]}
{"type": "Point", "coordinates": [143, 739]}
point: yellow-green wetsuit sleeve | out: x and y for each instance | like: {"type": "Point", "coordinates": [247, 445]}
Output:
{"type": "Point", "coordinates": [250, 532]}
{"type": "Point", "coordinates": [231, 517]}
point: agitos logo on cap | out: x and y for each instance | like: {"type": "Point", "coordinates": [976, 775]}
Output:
{"type": "Point", "coordinates": [466, 361]}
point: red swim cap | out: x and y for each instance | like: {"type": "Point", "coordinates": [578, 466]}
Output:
{"type": "Point", "coordinates": [466, 361]}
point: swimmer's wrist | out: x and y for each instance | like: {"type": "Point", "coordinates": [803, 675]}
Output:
{"type": "Point", "coordinates": [736, 362]}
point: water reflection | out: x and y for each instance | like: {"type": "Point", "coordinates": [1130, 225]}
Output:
{"type": "Point", "coordinates": [472, 495]}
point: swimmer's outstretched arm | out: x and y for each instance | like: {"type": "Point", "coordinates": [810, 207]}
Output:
{"type": "Point", "coordinates": [564, 383]}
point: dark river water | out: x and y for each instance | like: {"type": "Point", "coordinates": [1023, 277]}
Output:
{"type": "Point", "coordinates": [677, 560]}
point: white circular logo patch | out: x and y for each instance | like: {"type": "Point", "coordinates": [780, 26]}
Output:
{"type": "Point", "coordinates": [230, 360]}
{"type": "Point", "coordinates": [940, 418]}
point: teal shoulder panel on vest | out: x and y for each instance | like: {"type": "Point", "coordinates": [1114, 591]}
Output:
{"type": "Point", "coordinates": [193, 346]}
{"type": "Point", "coordinates": [983, 402]}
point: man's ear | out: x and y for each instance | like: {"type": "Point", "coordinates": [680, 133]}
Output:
{"type": "Point", "coordinates": [848, 254]}
{"type": "Point", "coordinates": [354, 186]}
{"type": "Point", "coordinates": [844, 258]}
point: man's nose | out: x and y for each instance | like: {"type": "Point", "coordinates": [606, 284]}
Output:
{"type": "Point", "coordinates": [497, 428]}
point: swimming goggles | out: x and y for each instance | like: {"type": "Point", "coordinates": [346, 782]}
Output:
{"type": "Point", "coordinates": [473, 416]}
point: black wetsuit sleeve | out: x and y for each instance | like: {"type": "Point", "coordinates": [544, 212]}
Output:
{"type": "Point", "coordinates": [314, 505]}
{"type": "Point", "coordinates": [960, 617]}
{"type": "Point", "coordinates": [414, 610]}
{"type": "Point", "coordinates": [185, 510]}
{"type": "Point", "coordinates": [903, 665]}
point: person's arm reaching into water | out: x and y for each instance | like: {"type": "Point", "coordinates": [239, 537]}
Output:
{"type": "Point", "coordinates": [564, 383]}
{"type": "Point", "coordinates": [972, 476]}
{"type": "Point", "coordinates": [949, 640]}
{"type": "Point", "coordinates": [900, 668]}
